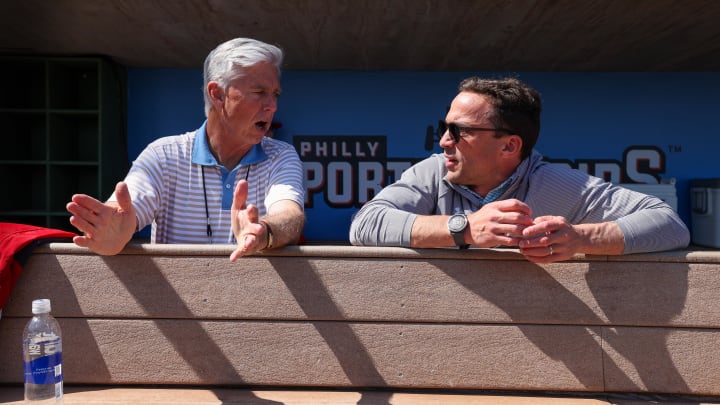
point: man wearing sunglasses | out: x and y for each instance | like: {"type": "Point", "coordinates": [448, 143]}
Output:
{"type": "Point", "coordinates": [491, 188]}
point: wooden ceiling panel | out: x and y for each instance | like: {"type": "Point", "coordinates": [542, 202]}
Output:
{"type": "Point", "coordinates": [485, 35]}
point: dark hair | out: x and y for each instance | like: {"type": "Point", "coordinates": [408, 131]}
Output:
{"type": "Point", "coordinates": [517, 106]}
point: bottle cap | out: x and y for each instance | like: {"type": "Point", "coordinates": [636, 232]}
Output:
{"type": "Point", "coordinates": [41, 306]}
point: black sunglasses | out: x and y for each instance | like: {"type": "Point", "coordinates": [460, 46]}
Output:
{"type": "Point", "coordinates": [456, 130]}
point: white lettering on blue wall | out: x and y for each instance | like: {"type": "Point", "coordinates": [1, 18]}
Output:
{"type": "Point", "coordinates": [640, 164]}
{"type": "Point", "coordinates": [348, 171]}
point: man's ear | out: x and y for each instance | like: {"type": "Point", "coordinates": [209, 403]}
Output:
{"type": "Point", "coordinates": [513, 144]}
{"type": "Point", "coordinates": [216, 93]}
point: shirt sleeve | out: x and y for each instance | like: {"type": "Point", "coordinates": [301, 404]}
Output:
{"type": "Point", "coordinates": [143, 181]}
{"type": "Point", "coordinates": [388, 218]}
{"type": "Point", "coordinates": [651, 230]}
{"type": "Point", "coordinates": [648, 224]}
{"type": "Point", "coordinates": [286, 179]}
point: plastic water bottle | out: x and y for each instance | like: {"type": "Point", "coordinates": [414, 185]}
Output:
{"type": "Point", "coordinates": [42, 355]}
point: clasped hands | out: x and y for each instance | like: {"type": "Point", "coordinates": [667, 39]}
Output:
{"type": "Point", "coordinates": [543, 239]}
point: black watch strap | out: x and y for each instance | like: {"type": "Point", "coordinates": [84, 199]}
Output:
{"type": "Point", "coordinates": [460, 241]}
{"type": "Point", "coordinates": [457, 225]}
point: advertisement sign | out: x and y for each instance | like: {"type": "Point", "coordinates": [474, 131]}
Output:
{"type": "Point", "coordinates": [355, 132]}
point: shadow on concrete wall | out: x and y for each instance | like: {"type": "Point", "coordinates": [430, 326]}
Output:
{"type": "Point", "coordinates": [654, 293]}
{"type": "Point", "coordinates": [527, 292]}
{"type": "Point", "coordinates": [316, 302]}
{"type": "Point", "coordinates": [211, 360]}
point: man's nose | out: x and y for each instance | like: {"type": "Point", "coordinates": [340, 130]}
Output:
{"type": "Point", "coordinates": [446, 140]}
{"type": "Point", "coordinates": [270, 102]}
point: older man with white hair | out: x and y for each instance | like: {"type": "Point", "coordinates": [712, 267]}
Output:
{"type": "Point", "coordinates": [225, 182]}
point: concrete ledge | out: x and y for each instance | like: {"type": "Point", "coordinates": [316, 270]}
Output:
{"type": "Point", "coordinates": [101, 395]}
{"type": "Point", "coordinates": [351, 318]}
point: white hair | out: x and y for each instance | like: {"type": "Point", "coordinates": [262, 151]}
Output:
{"type": "Point", "coordinates": [228, 61]}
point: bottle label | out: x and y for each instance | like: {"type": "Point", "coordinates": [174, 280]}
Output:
{"type": "Point", "coordinates": [46, 369]}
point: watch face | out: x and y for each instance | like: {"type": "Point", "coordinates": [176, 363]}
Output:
{"type": "Point", "coordinates": [457, 222]}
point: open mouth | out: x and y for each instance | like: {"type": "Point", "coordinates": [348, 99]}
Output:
{"type": "Point", "coordinates": [262, 125]}
{"type": "Point", "coordinates": [450, 162]}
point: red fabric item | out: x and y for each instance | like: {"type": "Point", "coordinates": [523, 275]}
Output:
{"type": "Point", "coordinates": [13, 239]}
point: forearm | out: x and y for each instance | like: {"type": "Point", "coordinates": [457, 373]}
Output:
{"type": "Point", "coordinates": [286, 221]}
{"type": "Point", "coordinates": [600, 239]}
{"type": "Point", "coordinates": [430, 231]}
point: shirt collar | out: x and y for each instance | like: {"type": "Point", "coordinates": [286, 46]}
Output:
{"type": "Point", "coordinates": [495, 193]}
{"type": "Point", "coordinates": [201, 154]}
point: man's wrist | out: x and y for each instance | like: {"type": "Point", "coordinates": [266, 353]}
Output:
{"type": "Point", "coordinates": [268, 236]}
{"type": "Point", "coordinates": [457, 225]}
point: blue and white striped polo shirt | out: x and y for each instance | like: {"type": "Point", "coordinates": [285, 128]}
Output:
{"type": "Point", "coordinates": [166, 186]}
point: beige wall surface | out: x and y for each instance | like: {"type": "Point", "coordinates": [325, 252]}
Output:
{"type": "Point", "coordinates": [335, 316]}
